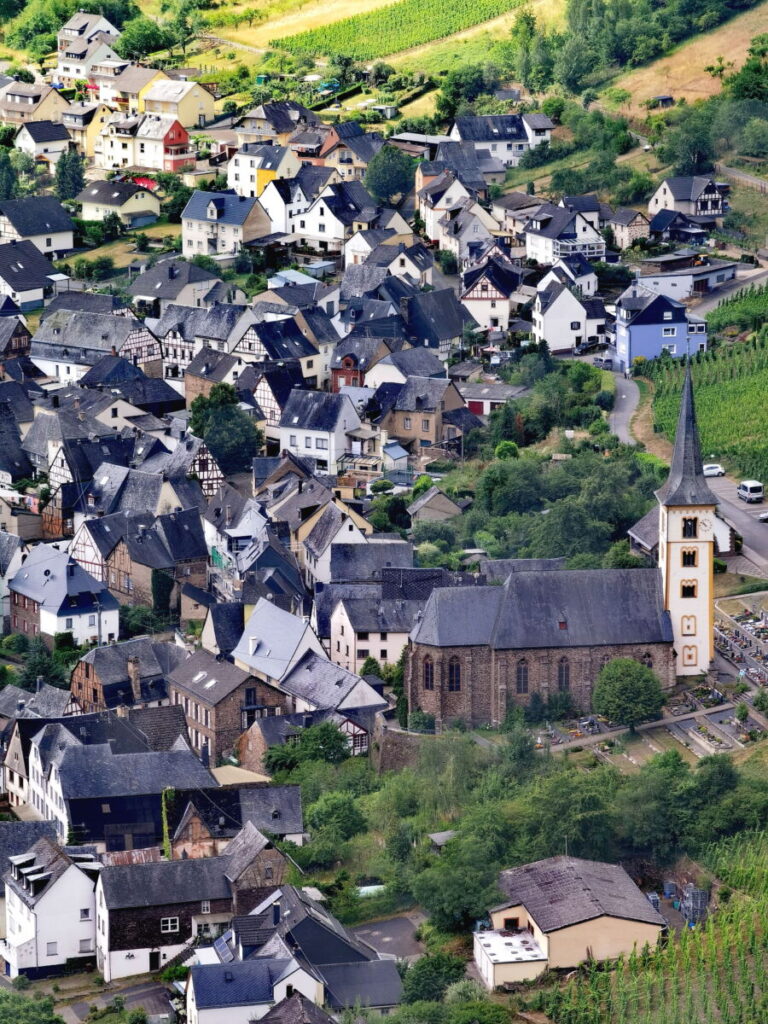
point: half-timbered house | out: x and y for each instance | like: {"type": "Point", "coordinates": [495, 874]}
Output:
{"type": "Point", "coordinates": [490, 293]}
{"type": "Point", "coordinates": [69, 342]}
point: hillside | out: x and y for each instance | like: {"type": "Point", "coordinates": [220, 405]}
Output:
{"type": "Point", "coordinates": [681, 73]}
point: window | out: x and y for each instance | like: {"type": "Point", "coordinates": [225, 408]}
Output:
{"type": "Point", "coordinates": [688, 588]}
{"type": "Point", "coordinates": [690, 528]}
{"type": "Point", "coordinates": [205, 907]}
{"type": "Point", "coordinates": [689, 557]}
{"type": "Point", "coordinates": [68, 623]}
{"type": "Point", "coordinates": [667, 314]}
{"type": "Point", "coordinates": [669, 332]}
{"type": "Point", "coordinates": [575, 325]}
{"type": "Point", "coordinates": [511, 924]}
{"type": "Point", "coordinates": [307, 442]}
{"type": "Point", "coordinates": [429, 673]}
{"type": "Point", "coordinates": [85, 946]}
{"type": "Point", "coordinates": [407, 422]}
{"type": "Point", "coordinates": [169, 925]}
{"type": "Point", "coordinates": [383, 636]}
{"type": "Point", "coordinates": [425, 424]}
{"type": "Point", "coordinates": [563, 675]}
{"type": "Point", "coordinates": [321, 444]}
{"type": "Point", "coordinates": [688, 625]}
{"type": "Point", "coordinates": [647, 659]}
{"type": "Point", "coordinates": [521, 676]}
{"type": "Point", "coordinates": [85, 913]}
{"type": "Point", "coordinates": [454, 675]}
{"type": "Point", "coordinates": [363, 652]}
{"type": "Point", "coordinates": [51, 948]}
{"type": "Point", "coordinates": [292, 440]}
{"type": "Point", "coordinates": [91, 620]}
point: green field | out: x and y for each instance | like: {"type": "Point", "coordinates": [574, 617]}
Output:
{"type": "Point", "coordinates": [400, 26]}
{"type": "Point", "coordinates": [730, 386]}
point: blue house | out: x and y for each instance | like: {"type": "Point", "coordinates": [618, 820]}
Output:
{"type": "Point", "coordinates": [648, 324]}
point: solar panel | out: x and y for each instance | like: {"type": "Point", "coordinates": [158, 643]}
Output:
{"type": "Point", "coordinates": [223, 951]}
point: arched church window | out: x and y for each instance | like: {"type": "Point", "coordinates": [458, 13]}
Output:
{"type": "Point", "coordinates": [563, 675]}
{"type": "Point", "coordinates": [690, 557]}
{"type": "Point", "coordinates": [454, 675]}
{"type": "Point", "coordinates": [522, 676]}
{"type": "Point", "coordinates": [647, 659]}
{"type": "Point", "coordinates": [429, 673]}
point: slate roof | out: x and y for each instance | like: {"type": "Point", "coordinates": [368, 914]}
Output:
{"type": "Point", "coordinates": [20, 836]}
{"type": "Point", "coordinates": [625, 216]}
{"type": "Point", "coordinates": [270, 640]}
{"type": "Point", "coordinates": [416, 362]}
{"type": "Point", "coordinates": [364, 562]}
{"type": "Point", "coordinates": [687, 188]}
{"type": "Point", "coordinates": [23, 266]}
{"type": "Point", "coordinates": [54, 580]}
{"type": "Point", "coordinates": [503, 276]}
{"type": "Point", "coordinates": [110, 666]}
{"type": "Point", "coordinates": [500, 568]}
{"type": "Point", "coordinates": [646, 530]}
{"type": "Point", "coordinates": [599, 606]}
{"type": "Point", "coordinates": [686, 484]}
{"type": "Point", "coordinates": [499, 128]}
{"type": "Point", "coordinates": [364, 983]}
{"type": "Point", "coordinates": [323, 684]}
{"type": "Point", "coordinates": [184, 320]}
{"type": "Point", "coordinates": [318, 410]}
{"type": "Point", "coordinates": [110, 193]}
{"type": "Point", "coordinates": [239, 983]}
{"type": "Point", "coordinates": [230, 209]}
{"type": "Point", "coordinates": [13, 459]}
{"type": "Point", "coordinates": [421, 394]}
{"type": "Point", "coordinates": [282, 115]}
{"type": "Point", "coordinates": [381, 615]}
{"type": "Point", "coordinates": [84, 302]}
{"type": "Point", "coordinates": [296, 1009]}
{"type": "Point", "coordinates": [283, 339]}
{"type": "Point", "coordinates": [273, 809]}
{"type": "Point", "coordinates": [165, 726]}
{"type": "Point", "coordinates": [36, 215]}
{"type": "Point", "coordinates": [176, 881]}
{"type": "Point", "coordinates": [9, 545]}
{"type": "Point", "coordinates": [85, 336]}
{"type": "Point", "coordinates": [46, 131]}
{"type": "Point", "coordinates": [208, 679]}
{"type": "Point", "coordinates": [563, 891]}
{"type": "Point", "coordinates": [92, 771]}
{"type": "Point", "coordinates": [436, 316]}
{"type": "Point", "coordinates": [165, 280]}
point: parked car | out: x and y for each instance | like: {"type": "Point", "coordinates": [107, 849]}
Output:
{"type": "Point", "coordinates": [750, 490]}
{"type": "Point", "coordinates": [603, 362]}
{"type": "Point", "coordinates": [763, 517]}
{"type": "Point", "coordinates": [713, 469]}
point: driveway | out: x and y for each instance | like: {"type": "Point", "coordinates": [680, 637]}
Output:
{"type": "Point", "coordinates": [151, 996]}
{"type": "Point", "coordinates": [395, 936]}
{"type": "Point", "coordinates": [745, 280]}
{"type": "Point", "coordinates": [627, 398]}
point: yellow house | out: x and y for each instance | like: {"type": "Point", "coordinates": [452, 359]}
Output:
{"type": "Point", "coordinates": [343, 518]}
{"type": "Point", "coordinates": [84, 122]}
{"type": "Point", "coordinates": [189, 102]}
{"type": "Point", "coordinates": [254, 165]}
{"type": "Point", "coordinates": [135, 205]}
{"type": "Point", "coordinates": [560, 912]}
{"type": "Point", "coordinates": [21, 102]}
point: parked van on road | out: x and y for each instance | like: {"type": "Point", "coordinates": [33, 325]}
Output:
{"type": "Point", "coordinates": [750, 490]}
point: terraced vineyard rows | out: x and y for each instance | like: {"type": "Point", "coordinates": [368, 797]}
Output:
{"type": "Point", "coordinates": [397, 27]}
{"type": "Point", "coordinates": [730, 387]}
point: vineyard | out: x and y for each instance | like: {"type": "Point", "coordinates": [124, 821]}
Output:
{"type": "Point", "coordinates": [716, 973]}
{"type": "Point", "coordinates": [748, 310]}
{"type": "Point", "coordinates": [730, 386]}
{"type": "Point", "coordinates": [394, 28]}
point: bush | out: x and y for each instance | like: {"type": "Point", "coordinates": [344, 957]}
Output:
{"type": "Point", "coordinates": [381, 486]}
{"type": "Point", "coordinates": [604, 400]}
{"type": "Point", "coordinates": [419, 721]}
{"type": "Point", "coordinates": [17, 643]}
{"type": "Point", "coordinates": [21, 982]}
{"type": "Point", "coordinates": [720, 565]}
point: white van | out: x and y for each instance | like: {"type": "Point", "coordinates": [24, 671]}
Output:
{"type": "Point", "coordinates": [750, 490]}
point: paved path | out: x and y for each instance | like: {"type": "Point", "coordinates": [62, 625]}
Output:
{"type": "Point", "coordinates": [727, 291]}
{"type": "Point", "coordinates": [627, 399]}
{"type": "Point", "coordinates": [743, 177]}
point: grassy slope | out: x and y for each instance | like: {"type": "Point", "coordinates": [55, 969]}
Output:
{"type": "Point", "coordinates": [682, 74]}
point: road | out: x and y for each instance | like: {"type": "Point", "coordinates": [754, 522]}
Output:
{"type": "Point", "coordinates": [627, 398]}
{"type": "Point", "coordinates": [743, 518]}
{"type": "Point", "coordinates": [744, 178]}
{"type": "Point", "coordinates": [708, 304]}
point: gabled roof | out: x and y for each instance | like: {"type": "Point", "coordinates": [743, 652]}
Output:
{"type": "Point", "coordinates": [362, 983]}
{"type": "Point", "coordinates": [110, 193]}
{"type": "Point", "coordinates": [23, 266]}
{"type": "Point", "coordinates": [20, 836]}
{"type": "Point", "coordinates": [421, 394]}
{"type": "Point", "coordinates": [166, 279]}
{"type": "Point", "coordinates": [505, 277]}
{"type": "Point", "coordinates": [318, 410]}
{"type": "Point", "coordinates": [497, 128]}
{"type": "Point", "coordinates": [239, 983]}
{"type": "Point", "coordinates": [416, 362]}
{"type": "Point", "coordinates": [46, 131]}
{"type": "Point", "coordinates": [364, 562]}
{"type": "Point", "coordinates": [224, 811]}
{"type": "Point", "coordinates": [296, 1009]}
{"type": "Point", "coordinates": [325, 685]}
{"type": "Point", "coordinates": [688, 188]}
{"type": "Point", "coordinates": [436, 316]}
{"type": "Point", "coordinates": [177, 881]}
{"type": "Point", "coordinates": [271, 640]}
{"type": "Point", "coordinates": [85, 302]}
{"type": "Point", "coordinates": [52, 579]}
{"type": "Point", "coordinates": [227, 619]}
{"type": "Point", "coordinates": [626, 216]}
{"type": "Point", "coordinates": [283, 339]}
{"type": "Point", "coordinates": [207, 678]}
{"type": "Point", "coordinates": [599, 607]}
{"type": "Point", "coordinates": [36, 215]}
{"type": "Point", "coordinates": [88, 772]}
{"type": "Point", "coordinates": [563, 891]}
{"type": "Point", "coordinates": [229, 209]}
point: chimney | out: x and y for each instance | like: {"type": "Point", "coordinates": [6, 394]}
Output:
{"type": "Point", "coordinates": [39, 684]}
{"type": "Point", "coordinates": [301, 486]}
{"type": "Point", "coordinates": [205, 757]}
{"type": "Point", "coordinates": [404, 306]}
{"type": "Point", "coordinates": [133, 675]}
{"type": "Point", "coordinates": [228, 515]}
{"type": "Point", "coordinates": [276, 912]}
{"type": "Point", "coordinates": [114, 351]}
{"type": "Point", "coordinates": [172, 271]}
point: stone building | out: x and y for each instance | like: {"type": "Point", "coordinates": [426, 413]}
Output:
{"type": "Point", "coordinates": [549, 630]}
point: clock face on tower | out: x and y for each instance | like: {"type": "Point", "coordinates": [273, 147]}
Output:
{"type": "Point", "coordinates": [705, 524]}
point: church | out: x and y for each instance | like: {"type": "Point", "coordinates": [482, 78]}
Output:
{"type": "Point", "coordinates": [551, 630]}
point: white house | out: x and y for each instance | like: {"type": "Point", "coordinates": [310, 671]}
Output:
{"type": "Point", "coordinates": [82, 42]}
{"type": "Point", "coordinates": [508, 136]}
{"type": "Point", "coordinates": [574, 272]}
{"type": "Point", "coordinates": [52, 594]}
{"type": "Point", "coordinates": [245, 990]}
{"type": "Point", "coordinates": [43, 141]}
{"type": "Point", "coordinates": [41, 220]}
{"type": "Point", "coordinates": [552, 233]}
{"type": "Point", "coordinates": [318, 424]}
{"type": "Point", "coordinates": [49, 909]}
{"type": "Point", "coordinates": [441, 194]}
{"type": "Point", "coordinates": [564, 320]}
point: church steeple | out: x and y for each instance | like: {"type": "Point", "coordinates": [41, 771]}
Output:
{"type": "Point", "coordinates": [687, 545]}
{"type": "Point", "coordinates": [686, 483]}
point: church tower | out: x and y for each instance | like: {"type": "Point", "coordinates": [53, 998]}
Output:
{"type": "Point", "coordinates": [687, 545]}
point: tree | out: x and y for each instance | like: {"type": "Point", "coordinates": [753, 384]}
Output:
{"type": "Point", "coordinates": [371, 667]}
{"type": "Point", "coordinates": [338, 813]}
{"type": "Point", "coordinates": [390, 174]}
{"type": "Point", "coordinates": [112, 227]}
{"type": "Point", "coordinates": [458, 888]}
{"type": "Point", "coordinates": [39, 662]}
{"type": "Point", "coordinates": [142, 36]}
{"type": "Point", "coordinates": [429, 977]}
{"type": "Point", "coordinates": [506, 450]}
{"type": "Point", "coordinates": [70, 176]}
{"type": "Point", "coordinates": [25, 1010]}
{"type": "Point", "coordinates": [9, 181]}
{"type": "Point", "coordinates": [760, 702]}
{"type": "Point", "coordinates": [627, 692]}
{"type": "Point", "coordinates": [229, 432]}
{"type": "Point", "coordinates": [318, 743]}
{"type": "Point", "coordinates": [742, 712]}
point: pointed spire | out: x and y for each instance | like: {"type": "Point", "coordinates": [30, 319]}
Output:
{"type": "Point", "coordinates": [686, 483]}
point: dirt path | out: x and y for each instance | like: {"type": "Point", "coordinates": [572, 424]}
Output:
{"type": "Point", "coordinates": [641, 426]}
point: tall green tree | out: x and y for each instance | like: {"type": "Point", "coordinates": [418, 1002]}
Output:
{"type": "Point", "coordinates": [70, 175]}
{"type": "Point", "coordinates": [390, 174]}
{"type": "Point", "coordinates": [39, 662]}
{"type": "Point", "coordinates": [142, 36]}
{"type": "Point", "coordinates": [9, 180]}
{"type": "Point", "coordinates": [25, 1010]}
{"type": "Point", "coordinates": [229, 433]}
{"type": "Point", "coordinates": [627, 692]}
